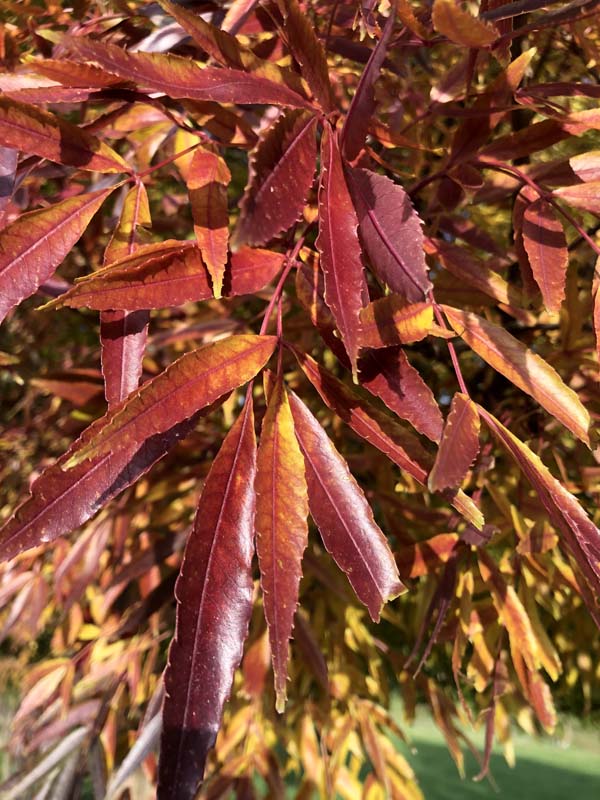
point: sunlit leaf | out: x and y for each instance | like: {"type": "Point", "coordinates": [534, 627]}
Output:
{"type": "Point", "coordinates": [33, 246]}
{"type": "Point", "coordinates": [450, 19]}
{"type": "Point", "coordinates": [546, 246]}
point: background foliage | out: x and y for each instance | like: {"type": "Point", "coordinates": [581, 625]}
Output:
{"type": "Point", "coordinates": [484, 266]}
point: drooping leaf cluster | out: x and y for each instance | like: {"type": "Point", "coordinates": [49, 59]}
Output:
{"type": "Point", "coordinates": [313, 281]}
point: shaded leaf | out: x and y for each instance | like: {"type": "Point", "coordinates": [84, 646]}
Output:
{"type": "Point", "coordinates": [182, 78]}
{"type": "Point", "coordinates": [8, 168]}
{"type": "Point", "coordinates": [581, 536]}
{"type": "Point", "coordinates": [459, 445]}
{"type": "Point", "coordinates": [391, 233]}
{"type": "Point", "coordinates": [343, 515]}
{"type": "Point", "coordinates": [214, 602]}
{"type": "Point", "coordinates": [421, 558]}
{"type": "Point", "coordinates": [33, 246]}
{"type": "Point", "coordinates": [450, 19]}
{"type": "Point", "coordinates": [469, 269]}
{"type": "Point", "coordinates": [285, 157]}
{"type": "Point", "coordinates": [125, 443]}
{"type": "Point", "coordinates": [207, 182]}
{"type": "Point", "coordinates": [522, 367]}
{"type": "Point", "coordinates": [358, 118]}
{"type": "Point", "coordinates": [389, 375]}
{"type": "Point", "coordinates": [308, 52]}
{"type": "Point", "coordinates": [32, 130]}
{"type": "Point", "coordinates": [281, 528]}
{"type": "Point", "coordinates": [345, 285]}
{"type": "Point", "coordinates": [510, 610]}
{"type": "Point", "coordinates": [391, 321]}
{"type": "Point", "coordinates": [546, 246]}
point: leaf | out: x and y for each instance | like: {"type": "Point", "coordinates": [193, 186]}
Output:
{"type": "Point", "coordinates": [585, 196]}
{"type": "Point", "coordinates": [131, 437]}
{"type": "Point", "coordinates": [180, 77]}
{"type": "Point", "coordinates": [281, 528]}
{"type": "Point", "coordinates": [285, 157]}
{"type": "Point", "coordinates": [469, 269]}
{"type": "Point", "coordinates": [123, 334]}
{"type": "Point", "coordinates": [8, 169]}
{"type": "Point", "coordinates": [207, 183]}
{"type": "Point", "coordinates": [461, 27]}
{"type": "Point", "coordinates": [421, 558]}
{"type": "Point", "coordinates": [32, 130]}
{"type": "Point", "coordinates": [522, 367]}
{"type": "Point", "coordinates": [33, 246]}
{"type": "Point", "coordinates": [308, 52]}
{"type": "Point", "coordinates": [363, 105]}
{"type": "Point", "coordinates": [228, 50]}
{"type": "Point", "coordinates": [214, 602]}
{"type": "Point", "coordinates": [389, 375]}
{"type": "Point", "coordinates": [513, 616]}
{"type": "Point", "coordinates": [586, 166]}
{"type": "Point", "coordinates": [546, 246]}
{"type": "Point", "coordinates": [371, 424]}
{"type": "Point", "coordinates": [459, 445]}
{"type": "Point", "coordinates": [391, 233]}
{"type": "Point", "coordinates": [407, 16]}
{"type": "Point", "coordinates": [391, 321]}
{"type": "Point", "coordinates": [344, 518]}
{"type": "Point", "coordinates": [581, 536]}
{"type": "Point", "coordinates": [189, 384]}
{"type": "Point", "coordinates": [168, 274]}
{"type": "Point", "coordinates": [345, 285]}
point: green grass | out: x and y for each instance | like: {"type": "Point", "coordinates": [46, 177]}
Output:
{"type": "Point", "coordinates": [546, 768]}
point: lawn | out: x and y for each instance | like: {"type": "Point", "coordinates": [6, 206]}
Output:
{"type": "Point", "coordinates": [546, 768]}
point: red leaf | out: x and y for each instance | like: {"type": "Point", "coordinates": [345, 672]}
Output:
{"type": "Point", "coordinates": [167, 274]}
{"type": "Point", "coordinates": [33, 246]}
{"type": "Point", "coordinates": [391, 233]}
{"type": "Point", "coordinates": [546, 246]}
{"type": "Point", "coordinates": [345, 285]}
{"type": "Point", "coordinates": [281, 528]}
{"type": "Point", "coordinates": [373, 425]}
{"type": "Point", "coordinates": [586, 165]}
{"type": "Point", "coordinates": [123, 334]}
{"type": "Point", "coordinates": [358, 118]}
{"type": "Point", "coordinates": [182, 78]}
{"type": "Point", "coordinates": [124, 444]}
{"type": "Point", "coordinates": [285, 157]}
{"type": "Point", "coordinates": [459, 445]}
{"type": "Point", "coordinates": [389, 375]}
{"type": "Point", "coordinates": [214, 602]}
{"type": "Point", "coordinates": [344, 518]}
{"type": "Point", "coordinates": [207, 182]}
{"type": "Point", "coordinates": [32, 130]}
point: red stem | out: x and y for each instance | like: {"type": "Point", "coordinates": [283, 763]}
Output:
{"type": "Point", "coordinates": [451, 349]}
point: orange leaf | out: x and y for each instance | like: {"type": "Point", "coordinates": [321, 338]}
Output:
{"type": "Point", "coordinates": [281, 528]}
{"type": "Point", "coordinates": [546, 246]}
{"type": "Point", "coordinates": [461, 27]}
{"type": "Point", "coordinates": [523, 367]}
